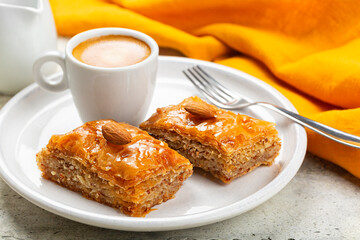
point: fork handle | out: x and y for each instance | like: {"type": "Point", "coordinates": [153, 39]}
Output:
{"type": "Point", "coordinates": [329, 132]}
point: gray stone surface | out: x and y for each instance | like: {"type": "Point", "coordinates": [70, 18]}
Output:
{"type": "Point", "coordinates": [321, 202]}
{"type": "Point", "coordinates": [4, 99]}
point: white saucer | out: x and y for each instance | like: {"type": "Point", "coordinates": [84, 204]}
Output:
{"type": "Point", "coordinates": [29, 119]}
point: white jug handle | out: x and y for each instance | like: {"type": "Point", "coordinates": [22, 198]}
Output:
{"type": "Point", "coordinates": [45, 82]}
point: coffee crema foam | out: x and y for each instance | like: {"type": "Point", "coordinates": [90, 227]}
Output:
{"type": "Point", "coordinates": [111, 51]}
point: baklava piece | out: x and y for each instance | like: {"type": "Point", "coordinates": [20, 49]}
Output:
{"type": "Point", "coordinates": [221, 142]}
{"type": "Point", "coordinates": [115, 164]}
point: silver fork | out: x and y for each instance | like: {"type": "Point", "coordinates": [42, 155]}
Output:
{"type": "Point", "coordinates": [224, 98]}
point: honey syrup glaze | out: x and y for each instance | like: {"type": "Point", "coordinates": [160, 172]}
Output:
{"type": "Point", "coordinates": [132, 161]}
{"type": "Point", "coordinates": [226, 131]}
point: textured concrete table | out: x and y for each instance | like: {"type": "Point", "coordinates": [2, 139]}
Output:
{"type": "Point", "coordinates": [321, 202]}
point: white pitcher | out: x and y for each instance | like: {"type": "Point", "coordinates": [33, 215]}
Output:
{"type": "Point", "coordinates": [27, 30]}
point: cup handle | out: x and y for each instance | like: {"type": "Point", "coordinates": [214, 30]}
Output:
{"type": "Point", "coordinates": [46, 82]}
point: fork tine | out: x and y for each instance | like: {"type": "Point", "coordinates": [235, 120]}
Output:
{"type": "Point", "coordinates": [200, 87]}
{"type": "Point", "coordinates": [207, 86]}
{"type": "Point", "coordinates": [218, 85]}
{"type": "Point", "coordinates": [212, 87]}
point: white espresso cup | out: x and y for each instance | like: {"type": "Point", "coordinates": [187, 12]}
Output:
{"type": "Point", "coordinates": [120, 93]}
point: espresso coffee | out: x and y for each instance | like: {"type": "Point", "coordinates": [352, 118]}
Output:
{"type": "Point", "coordinates": [111, 51]}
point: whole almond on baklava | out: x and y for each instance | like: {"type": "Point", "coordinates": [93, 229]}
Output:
{"type": "Point", "coordinates": [116, 133]}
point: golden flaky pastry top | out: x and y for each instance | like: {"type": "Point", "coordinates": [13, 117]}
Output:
{"type": "Point", "coordinates": [226, 131]}
{"type": "Point", "coordinates": [124, 165]}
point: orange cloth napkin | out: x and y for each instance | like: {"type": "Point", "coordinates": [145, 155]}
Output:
{"type": "Point", "coordinates": [308, 50]}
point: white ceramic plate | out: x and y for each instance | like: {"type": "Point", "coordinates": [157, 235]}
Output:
{"type": "Point", "coordinates": [29, 119]}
